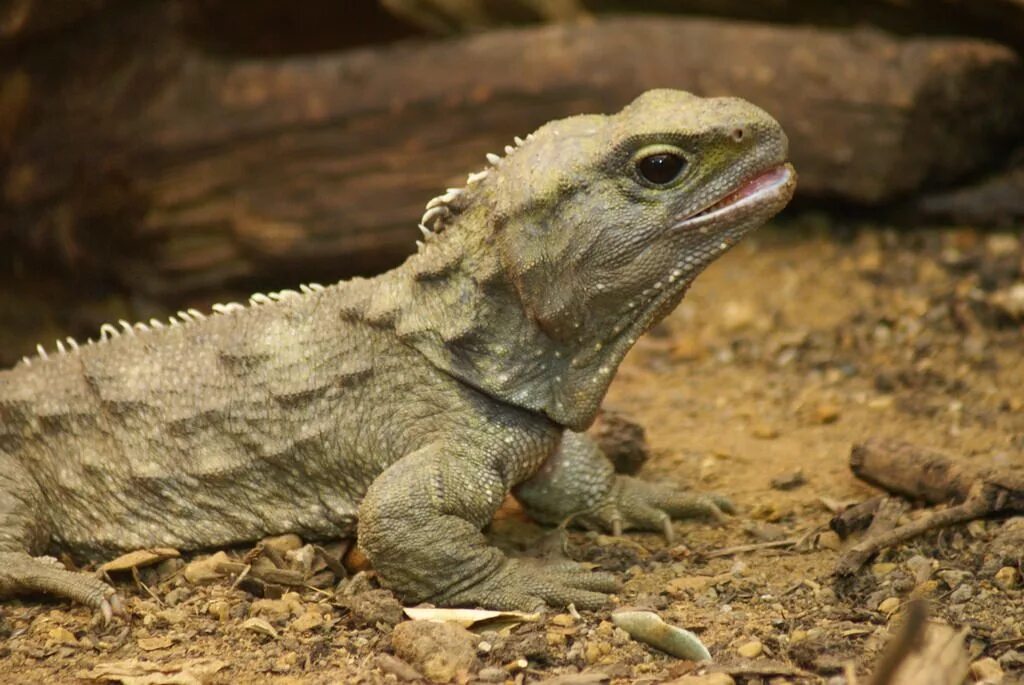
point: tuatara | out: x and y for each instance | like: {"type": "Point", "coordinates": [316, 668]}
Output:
{"type": "Point", "coordinates": [403, 407]}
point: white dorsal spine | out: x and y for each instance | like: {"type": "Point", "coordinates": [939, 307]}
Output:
{"type": "Point", "coordinates": [109, 331]}
{"type": "Point", "coordinates": [437, 211]}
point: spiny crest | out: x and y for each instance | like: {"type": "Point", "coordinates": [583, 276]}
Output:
{"type": "Point", "coordinates": [442, 208]}
{"type": "Point", "coordinates": [109, 331]}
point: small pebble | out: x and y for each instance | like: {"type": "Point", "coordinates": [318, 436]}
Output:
{"type": "Point", "coordinates": [177, 595]}
{"type": "Point", "coordinates": [274, 609]}
{"type": "Point", "coordinates": [750, 650]}
{"type": "Point", "coordinates": [882, 569]}
{"type": "Point", "coordinates": [205, 570]}
{"type": "Point", "coordinates": [889, 605]}
{"type": "Point", "coordinates": [219, 608]}
{"type": "Point", "coordinates": [929, 588]}
{"type": "Point", "coordinates": [283, 543]}
{"type": "Point", "coordinates": [311, 620]}
{"type": "Point", "coordinates": [986, 672]}
{"type": "Point", "coordinates": [596, 650]}
{"type": "Point", "coordinates": [962, 594]}
{"type": "Point", "coordinates": [789, 481]}
{"type": "Point", "coordinates": [492, 674]}
{"type": "Point", "coordinates": [764, 431]}
{"type": "Point", "coordinates": [63, 636]}
{"type": "Point", "coordinates": [708, 679]}
{"type": "Point", "coordinates": [440, 651]}
{"type": "Point", "coordinates": [826, 413]}
{"type": "Point", "coordinates": [829, 540]}
{"type": "Point", "coordinates": [953, 578]}
{"type": "Point", "coordinates": [921, 567]}
{"type": "Point", "coordinates": [1007, 578]}
{"type": "Point", "coordinates": [398, 668]}
{"type": "Point", "coordinates": [1002, 244]}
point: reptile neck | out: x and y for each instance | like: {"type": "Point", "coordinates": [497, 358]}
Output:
{"type": "Point", "coordinates": [455, 304]}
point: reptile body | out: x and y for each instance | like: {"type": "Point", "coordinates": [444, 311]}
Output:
{"type": "Point", "coordinates": [404, 407]}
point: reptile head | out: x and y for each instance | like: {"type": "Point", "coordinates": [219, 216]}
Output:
{"type": "Point", "coordinates": [606, 220]}
{"type": "Point", "coordinates": [595, 226]}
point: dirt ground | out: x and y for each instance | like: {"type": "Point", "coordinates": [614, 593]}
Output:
{"type": "Point", "coordinates": [795, 346]}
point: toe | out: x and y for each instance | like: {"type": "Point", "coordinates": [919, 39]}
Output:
{"type": "Point", "coordinates": [595, 581]}
{"type": "Point", "coordinates": [107, 611]}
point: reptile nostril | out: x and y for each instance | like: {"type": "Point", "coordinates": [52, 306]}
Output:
{"type": "Point", "coordinates": [738, 134]}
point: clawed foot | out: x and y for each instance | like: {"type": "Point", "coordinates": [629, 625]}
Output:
{"type": "Point", "coordinates": [111, 606]}
{"type": "Point", "coordinates": [526, 586]}
{"type": "Point", "coordinates": [640, 505]}
{"type": "Point", "coordinates": [22, 574]}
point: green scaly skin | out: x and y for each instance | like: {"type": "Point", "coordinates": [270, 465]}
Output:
{"type": "Point", "coordinates": [403, 407]}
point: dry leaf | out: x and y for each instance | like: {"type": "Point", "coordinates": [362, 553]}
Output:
{"type": "Point", "coordinates": [258, 625]}
{"type": "Point", "coordinates": [465, 617]}
{"type": "Point", "coordinates": [137, 672]}
{"type": "Point", "coordinates": [139, 558]}
{"type": "Point", "coordinates": [148, 644]}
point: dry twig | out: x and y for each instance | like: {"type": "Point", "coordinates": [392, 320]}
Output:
{"type": "Point", "coordinates": [914, 472]}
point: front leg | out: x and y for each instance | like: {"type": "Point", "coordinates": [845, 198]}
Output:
{"type": "Point", "coordinates": [578, 483]}
{"type": "Point", "coordinates": [420, 525]}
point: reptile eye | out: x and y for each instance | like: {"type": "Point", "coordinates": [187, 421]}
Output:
{"type": "Point", "coordinates": [661, 168]}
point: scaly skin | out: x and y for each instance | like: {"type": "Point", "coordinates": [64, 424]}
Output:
{"type": "Point", "coordinates": [406, 406]}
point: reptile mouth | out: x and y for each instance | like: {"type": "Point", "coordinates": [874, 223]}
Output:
{"type": "Point", "coordinates": [771, 186]}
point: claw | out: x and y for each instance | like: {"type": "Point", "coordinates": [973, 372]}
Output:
{"type": "Point", "coordinates": [108, 612]}
{"type": "Point", "coordinates": [716, 513]}
{"type": "Point", "coordinates": [617, 527]}
{"type": "Point", "coordinates": [667, 530]}
{"type": "Point", "coordinates": [117, 605]}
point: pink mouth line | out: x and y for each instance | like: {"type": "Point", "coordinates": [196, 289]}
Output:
{"type": "Point", "coordinates": [769, 179]}
{"type": "Point", "coordinates": [760, 186]}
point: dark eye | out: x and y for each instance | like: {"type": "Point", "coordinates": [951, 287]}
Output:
{"type": "Point", "coordinates": [661, 168]}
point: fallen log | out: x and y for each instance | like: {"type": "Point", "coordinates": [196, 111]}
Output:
{"type": "Point", "coordinates": [996, 200]}
{"type": "Point", "coordinates": [918, 473]}
{"type": "Point", "coordinates": [21, 20]}
{"type": "Point", "coordinates": [1001, 20]}
{"type": "Point", "coordinates": [133, 153]}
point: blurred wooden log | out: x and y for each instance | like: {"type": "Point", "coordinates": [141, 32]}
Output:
{"type": "Point", "coordinates": [996, 200]}
{"type": "Point", "coordinates": [134, 153]}
{"type": "Point", "coordinates": [925, 474]}
{"type": "Point", "coordinates": [274, 27]}
{"type": "Point", "coordinates": [1001, 20]}
{"type": "Point", "coordinates": [458, 16]}
{"type": "Point", "coordinates": [23, 19]}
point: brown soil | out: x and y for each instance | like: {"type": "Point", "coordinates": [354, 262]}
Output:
{"type": "Point", "coordinates": [794, 347]}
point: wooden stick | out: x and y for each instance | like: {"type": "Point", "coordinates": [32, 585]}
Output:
{"type": "Point", "coordinates": [856, 556]}
{"type": "Point", "coordinates": [919, 473]}
{"type": "Point", "coordinates": [855, 518]}
{"type": "Point", "coordinates": [753, 547]}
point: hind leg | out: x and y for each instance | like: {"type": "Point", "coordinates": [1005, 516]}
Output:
{"type": "Point", "coordinates": [22, 531]}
